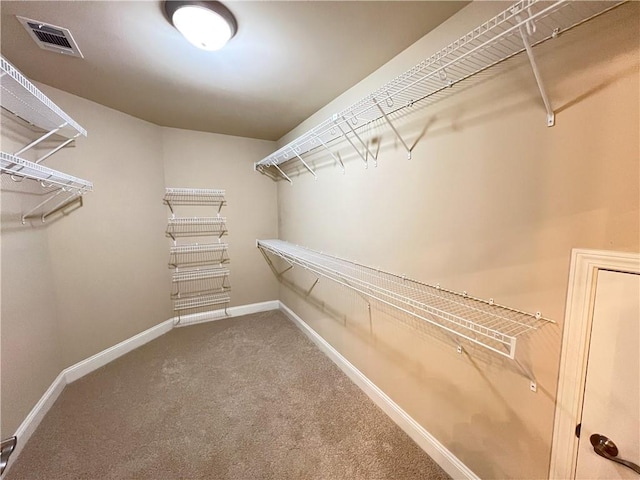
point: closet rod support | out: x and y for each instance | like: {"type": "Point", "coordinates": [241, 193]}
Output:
{"type": "Point", "coordinates": [58, 148]}
{"type": "Point", "coordinates": [41, 204]}
{"type": "Point", "coordinates": [38, 140]}
{"type": "Point", "coordinates": [60, 206]}
{"type": "Point", "coordinates": [282, 173]}
{"type": "Point", "coordinates": [344, 134]}
{"type": "Point", "coordinates": [551, 117]}
{"type": "Point", "coordinates": [375, 158]}
{"type": "Point", "coordinates": [337, 159]}
{"type": "Point", "coordinates": [393, 128]}
{"type": "Point", "coordinates": [305, 164]}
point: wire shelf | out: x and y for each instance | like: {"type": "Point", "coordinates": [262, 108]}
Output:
{"type": "Point", "coordinates": [494, 41]}
{"type": "Point", "coordinates": [18, 167]}
{"type": "Point", "coordinates": [201, 301]}
{"type": "Point", "coordinates": [25, 100]}
{"type": "Point", "coordinates": [482, 322]}
{"type": "Point", "coordinates": [192, 283]}
{"type": "Point", "coordinates": [194, 196]}
{"type": "Point", "coordinates": [198, 255]}
{"type": "Point", "coordinates": [196, 227]}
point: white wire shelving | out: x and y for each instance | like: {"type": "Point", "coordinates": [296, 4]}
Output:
{"type": "Point", "coordinates": [196, 227]}
{"type": "Point", "coordinates": [198, 254]}
{"type": "Point", "coordinates": [202, 301]}
{"type": "Point", "coordinates": [200, 279]}
{"type": "Point", "coordinates": [24, 99]}
{"type": "Point", "coordinates": [194, 196]}
{"type": "Point", "coordinates": [485, 323]}
{"type": "Point", "coordinates": [19, 167]}
{"type": "Point", "coordinates": [191, 283]}
{"type": "Point", "coordinates": [517, 29]}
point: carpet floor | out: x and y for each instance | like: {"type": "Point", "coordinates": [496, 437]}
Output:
{"type": "Point", "coordinates": [244, 398]}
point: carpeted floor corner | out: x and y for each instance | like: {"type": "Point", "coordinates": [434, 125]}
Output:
{"type": "Point", "coordinates": [242, 398]}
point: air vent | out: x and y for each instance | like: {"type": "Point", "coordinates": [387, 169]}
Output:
{"type": "Point", "coordinates": [50, 37]}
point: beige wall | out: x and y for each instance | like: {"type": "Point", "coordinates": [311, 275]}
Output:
{"type": "Point", "coordinates": [31, 356]}
{"type": "Point", "coordinates": [207, 160]}
{"type": "Point", "coordinates": [492, 203]}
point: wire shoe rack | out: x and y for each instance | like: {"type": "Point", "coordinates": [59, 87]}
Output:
{"type": "Point", "coordinates": [196, 226]}
{"type": "Point", "coordinates": [485, 323]}
{"type": "Point", "coordinates": [198, 254]}
{"type": "Point", "coordinates": [194, 196]}
{"type": "Point", "coordinates": [24, 100]}
{"type": "Point", "coordinates": [517, 29]}
{"type": "Point", "coordinates": [200, 279]}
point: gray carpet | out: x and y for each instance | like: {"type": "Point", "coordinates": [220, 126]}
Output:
{"type": "Point", "coordinates": [243, 398]}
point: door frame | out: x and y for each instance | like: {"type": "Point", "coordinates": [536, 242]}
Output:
{"type": "Point", "coordinates": [576, 338]}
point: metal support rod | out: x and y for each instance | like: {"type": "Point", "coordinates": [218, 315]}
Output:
{"type": "Point", "coordinates": [47, 200]}
{"type": "Point", "coordinates": [282, 173]}
{"type": "Point", "coordinates": [364, 159]}
{"type": "Point", "coordinates": [375, 159]}
{"type": "Point", "coordinates": [337, 159]}
{"type": "Point", "coordinates": [393, 128]}
{"type": "Point", "coordinates": [312, 286]}
{"type": "Point", "coordinates": [59, 147]}
{"type": "Point", "coordinates": [60, 206]}
{"type": "Point", "coordinates": [551, 118]}
{"type": "Point", "coordinates": [305, 164]}
{"type": "Point", "coordinates": [38, 140]}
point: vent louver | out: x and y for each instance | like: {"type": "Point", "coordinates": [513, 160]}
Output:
{"type": "Point", "coordinates": [50, 37]}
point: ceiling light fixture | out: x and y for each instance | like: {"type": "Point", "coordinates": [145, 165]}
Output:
{"type": "Point", "coordinates": [207, 25]}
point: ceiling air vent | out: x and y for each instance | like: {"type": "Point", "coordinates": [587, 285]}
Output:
{"type": "Point", "coordinates": [50, 37]}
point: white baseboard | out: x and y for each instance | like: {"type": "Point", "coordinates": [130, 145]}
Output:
{"type": "Point", "coordinates": [80, 369]}
{"type": "Point", "coordinates": [231, 312]}
{"type": "Point", "coordinates": [441, 455]}
{"type": "Point", "coordinates": [37, 413]}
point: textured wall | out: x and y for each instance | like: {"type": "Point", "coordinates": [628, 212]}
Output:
{"type": "Point", "coordinates": [492, 203]}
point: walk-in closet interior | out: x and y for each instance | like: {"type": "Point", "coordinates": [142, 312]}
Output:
{"type": "Point", "coordinates": [347, 244]}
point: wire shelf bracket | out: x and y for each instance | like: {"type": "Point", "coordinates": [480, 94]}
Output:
{"type": "Point", "coordinates": [484, 323]}
{"type": "Point", "coordinates": [519, 28]}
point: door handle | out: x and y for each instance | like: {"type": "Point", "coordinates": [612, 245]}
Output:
{"type": "Point", "coordinates": [607, 449]}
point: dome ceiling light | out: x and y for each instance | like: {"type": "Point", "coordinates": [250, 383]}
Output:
{"type": "Point", "coordinates": [206, 24]}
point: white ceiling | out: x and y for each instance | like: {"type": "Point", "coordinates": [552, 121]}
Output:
{"type": "Point", "coordinates": [288, 59]}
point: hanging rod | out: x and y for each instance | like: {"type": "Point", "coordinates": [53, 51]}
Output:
{"type": "Point", "coordinates": [24, 99]}
{"type": "Point", "coordinates": [489, 44]}
{"type": "Point", "coordinates": [485, 323]}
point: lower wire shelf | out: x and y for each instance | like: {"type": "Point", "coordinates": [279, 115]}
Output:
{"type": "Point", "coordinates": [190, 303]}
{"type": "Point", "coordinates": [482, 322]}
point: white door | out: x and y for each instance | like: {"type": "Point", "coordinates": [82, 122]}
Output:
{"type": "Point", "coordinates": [611, 398]}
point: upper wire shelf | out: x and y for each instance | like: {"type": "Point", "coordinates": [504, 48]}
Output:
{"type": "Point", "coordinates": [194, 196]}
{"type": "Point", "coordinates": [196, 227]}
{"type": "Point", "coordinates": [482, 322]}
{"type": "Point", "coordinates": [524, 24]}
{"type": "Point", "coordinates": [25, 100]}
